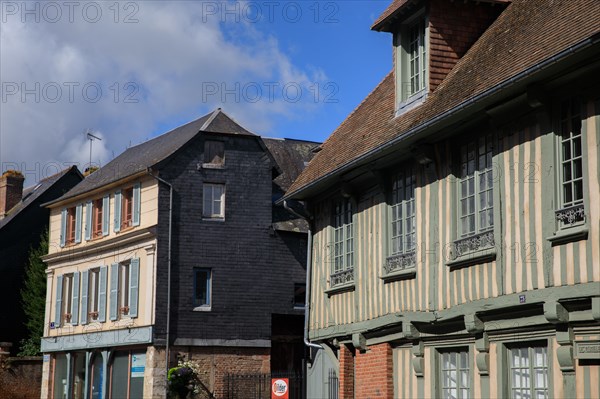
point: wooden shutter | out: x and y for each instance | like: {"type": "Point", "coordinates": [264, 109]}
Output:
{"type": "Point", "coordinates": [105, 215]}
{"type": "Point", "coordinates": [88, 221]}
{"type": "Point", "coordinates": [137, 190]}
{"type": "Point", "coordinates": [134, 283]}
{"type": "Point", "coordinates": [75, 300]}
{"type": "Point", "coordinates": [58, 303]}
{"type": "Point", "coordinates": [63, 227]}
{"type": "Point", "coordinates": [78, 216]}
{"type": "Point", "coordinates": [84, 296]}
{"type": "Point", "coordinates": [117, 217]}
{"type": "Point", "coordinates": [114, 291]}
{"type": "Point", "coordinates": [102, 295]}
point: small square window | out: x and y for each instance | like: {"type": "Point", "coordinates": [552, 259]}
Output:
{"type": "Point", "coordinates": [214, 153]}
{"type": "Point", "coordinates": [213, 201]}
{"type": "Point", "coordinates": [202, 288]}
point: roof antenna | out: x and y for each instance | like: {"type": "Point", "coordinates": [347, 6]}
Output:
{"type": "Point", "coordinates": [91, 138]}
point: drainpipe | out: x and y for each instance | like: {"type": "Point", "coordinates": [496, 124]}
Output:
{"type": "Point", "coordinates": [149, 170]}
{"type": "Point", "coordinates": [308, 273]}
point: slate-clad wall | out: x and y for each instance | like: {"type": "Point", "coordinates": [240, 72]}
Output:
{"type": "Point", "coordinates": [253, 268]}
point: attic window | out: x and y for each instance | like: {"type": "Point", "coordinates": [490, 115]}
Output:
{"type": "Point", "coordinates": [411, 63]}
{"type": "Point", "coordinates": [214, 154]}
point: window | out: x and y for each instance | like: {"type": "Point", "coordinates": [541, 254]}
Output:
{"type": "Point", "coordinates": [343, 243]}
{"type": "Point", "coordinates": [71, 225]}
{"type": "Point", "coordinates": [67, 302]}
{"type": "Point", "coordinates": [476, 201]}
{"type": "Point", "coordinates": [401, 228]}
{"type": "Point", "coordinates": [127, 375]}
{"type": "Point", "coordinates": [127, 208]}
{"type": "Point", "coordinates": [528, 377]}
{"type": "Point", "coordinates": [455, 378]}
{"type": "Point", "coordinates": [93, 293]}
{"type": "Point", "coordinates": [213, 201]}
{"type": "Point", "coordinates": [571, 164]}
{"type": "Point", "coordinates": [124, 287]}
{"type": "Point", "coordinates": [411, 53]}
{"type": "Point", "coordinates": [202, 286]}
{"type": "Point", "coordinates": [299, 295]}
{"type": "Point", "coordinates": [214, 153]}
{"type": "Point", "coordinates": [97, 218]}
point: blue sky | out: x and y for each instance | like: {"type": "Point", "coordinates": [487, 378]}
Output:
{"type": "Point", "coordinates": [129, 71]}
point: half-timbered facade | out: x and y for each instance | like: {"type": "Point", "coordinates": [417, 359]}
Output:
{"type": "Point", "coordinates": [455, 216]}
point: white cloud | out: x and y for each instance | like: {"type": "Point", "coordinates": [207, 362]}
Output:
{"type": "Point", "coordinates": [166, 63]}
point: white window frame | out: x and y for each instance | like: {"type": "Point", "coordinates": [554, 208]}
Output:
{"type": "Point", "coordinates": [531, 369]}
{"type": "Point", "coordinates": [343, 246]}
{"type": "Point", "coordinates": [453, 383]}
{"type": "Point", "coordinates": [205, 307]}
{"type": "Point", "coordinates": [67, 298]}
{"type": "Point", "coordinates": [402, 213]}
{"type": "Point", "coordinates": [570, 213]}
{"type": "Point", "coordinates": [210, 197]}
{"type": "Point", "coordinates": [93, 294]}
{"type": "Point", "coordinates": [476, 180]}
{"type": "Point", "coordinates": [407, 95]}
{"type": "Point", "coordinates": [123, 294]}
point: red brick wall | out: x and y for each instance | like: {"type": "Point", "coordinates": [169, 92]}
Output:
{"type": "Point", "coordinates": [346, 380]}
{"type": "Point", "coordinates": [219, 361]}
{"type": "Point", "coordinates": [374, 373]}
{"type": "Point", "coordinates": [453, 27]}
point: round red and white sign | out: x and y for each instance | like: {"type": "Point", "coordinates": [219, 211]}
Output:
{"type": "Point", "coordinates": [280, 387]}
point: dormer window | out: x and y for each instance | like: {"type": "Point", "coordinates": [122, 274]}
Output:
{"type": "Point", "coordinates": [411, 63]}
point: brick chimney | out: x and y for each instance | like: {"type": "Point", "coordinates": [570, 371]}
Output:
{"type": "Point", "coordinates": [11, 190]}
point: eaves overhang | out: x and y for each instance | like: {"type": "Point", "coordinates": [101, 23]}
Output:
{"type": "Point", "coordinates": [585, 51]}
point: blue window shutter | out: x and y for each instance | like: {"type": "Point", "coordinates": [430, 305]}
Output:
{"type": "Point", "coordinates": [105, 215]}
{"type": "Point", "coordinates": [58, 307]}
{"type": "Point", "coordinates": [134, 283]}
{"type": "Point", "coordinates": [63, 227]}
{"type": "Point", "coordinates": [118, 211]}
{"type": "Point", "coordinates": [114, 290]}
{"type": "Point", "coordinates": [102, 295]}
{"type": "Point", "coordinates": [88, 221]}
{"type": "Point", "coordinates": [75, 299]}
{"type": "Point", "coordinates": [84, 296]}
{"type": "Point", "coordinates": [136, 204]}
{"type": "Point", "coordinates": [78, 216]}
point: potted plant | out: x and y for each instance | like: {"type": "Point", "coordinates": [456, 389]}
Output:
{"type": "Point", "coordinates": [183, 379]}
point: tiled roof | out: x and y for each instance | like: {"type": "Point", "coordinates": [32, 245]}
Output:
{"type": "Point", "coordinates": [527, 34]}
{"type": "Point", "coordinates": [383, 22]}
{"type": "Point", "coordinates": [30, 194]}
{"type": "Point", "coordinates": [140, 157]}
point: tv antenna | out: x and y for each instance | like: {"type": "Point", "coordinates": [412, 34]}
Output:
{"type": "Point", "coordinates": [91, 138]}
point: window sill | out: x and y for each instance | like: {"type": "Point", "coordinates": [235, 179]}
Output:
{"type": "Point", "coordinates": [302, 308]}
{"type": "Point", "coordinates": [340, 288]}
{"type": "Point", "coordinates": [213, 219]}
{"type": "Point", "coordinates": [569, 234]}
{"type": "Point", "coordinates": [473, 258]}
{"type": "Point", "coordinates": [202, 309]}
{"type": "Point", "coordinates": [212, 166]}
{"type": "Point", "coordinates": [399, 275]}
{"type": "Point", "coordinates": [411, 102]}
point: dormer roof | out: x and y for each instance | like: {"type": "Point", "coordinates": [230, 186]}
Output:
{"type": "Point", "coordinates": [530, 39]}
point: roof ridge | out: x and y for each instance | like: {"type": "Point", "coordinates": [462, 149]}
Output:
{"type": "Point", "coordinates": [211, 118]}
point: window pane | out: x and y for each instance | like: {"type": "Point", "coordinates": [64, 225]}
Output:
{"type": "Point", "coordinates": [97, 377]}
{"type": "Point", "coordinates": [136, 382]}
{"type": "Point", "coordinates": [201, 287]}
{"type": "Point", "coordinates": [119, 375]}
{"type": "Point", "coordinates": [60, 376]}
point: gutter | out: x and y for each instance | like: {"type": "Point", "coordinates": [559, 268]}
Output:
{"type": "Point", "coordinates": [308, 272]}
{"type": "Point", "coordinates": [149, 171]}
{"type": "Point", "coordinates": [477, 99]}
